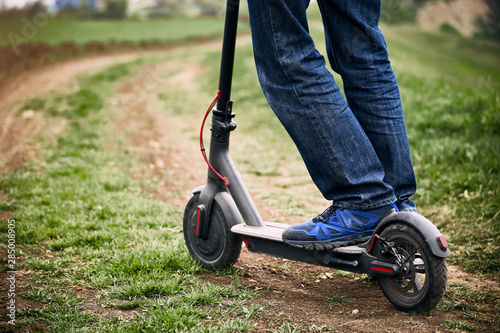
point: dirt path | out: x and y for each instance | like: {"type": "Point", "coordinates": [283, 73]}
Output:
{"type": "Point", "coordinates": [292, 293]}
{"type": "Point", "coordinates": [16, 128]}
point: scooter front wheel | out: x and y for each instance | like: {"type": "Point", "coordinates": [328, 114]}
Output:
{"type": "Point", "coordinates": [423, 280]}
{"type": "Point", "coordinates": [221, 247]}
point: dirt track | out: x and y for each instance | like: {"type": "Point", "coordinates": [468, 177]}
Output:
{"type": "Point", "coordinates": [291, 292]}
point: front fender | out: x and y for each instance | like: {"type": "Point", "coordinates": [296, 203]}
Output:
{"type": "Point", "coordinates": [425, 227]}
{"type": "Point", "coordinates": [229, 209]}
{"type": "Point", "coordinates": [227, 204]}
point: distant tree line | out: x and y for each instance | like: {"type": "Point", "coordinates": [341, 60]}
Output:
{"type": "Point", "coordinates": [29, 10]}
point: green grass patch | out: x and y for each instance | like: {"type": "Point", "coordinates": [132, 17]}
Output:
{"type": "Point", "coordinates": [57, 30]}
{"type": "Point", "coordinates": [131, 305]}
{"type": "Point", "coordinates": [78, 203]}
{"type": "Point", "coordinates": [463, 297]}
{"type": "Point", "coordinates": [455, 142]}
{"type": "Point", "coordinates": [461, 325]}
{"type": "Point", "coordinates": [337, 299]}
{"type": "Point", "coordinates": [478, 310]}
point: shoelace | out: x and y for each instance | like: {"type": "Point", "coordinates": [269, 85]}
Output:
{"type": "Point", "coordinates": [326, 215]}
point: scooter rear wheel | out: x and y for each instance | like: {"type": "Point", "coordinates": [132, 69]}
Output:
{"type": "Point", "coordinates": [423, 282]}
{"type": "Point", "coordinates": [221, 248]}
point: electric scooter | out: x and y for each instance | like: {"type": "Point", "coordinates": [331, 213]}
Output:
{"type": "Point", "coordinates": [406, 252]}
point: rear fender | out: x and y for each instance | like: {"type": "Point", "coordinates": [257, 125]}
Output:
{"type": "Point", "coordinates": [425, 227]}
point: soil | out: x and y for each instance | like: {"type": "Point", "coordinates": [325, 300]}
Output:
{"type": "Point", "coordinates": [290, 292]}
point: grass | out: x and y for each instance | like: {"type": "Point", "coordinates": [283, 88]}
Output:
{"type": "Point", "coordinates": [453, 120]}
{"type": "Point", "coordinates": [462, 296]}
{"type": "Point", "coordinates": [337, 299]}
{"type": "Point", "coordinates": [286, 327]}
{"type": "Point", "coordinates": [56, 31]}
{"type": "Point", "coordinates": [79, 203]}
{"type": "Point", "coordinates": [478, 309]}
{"type": "Point", "coordinates": [460, 325]}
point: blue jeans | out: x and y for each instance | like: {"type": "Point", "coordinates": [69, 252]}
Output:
{"type": "Point", "coordinates": [355, 149]}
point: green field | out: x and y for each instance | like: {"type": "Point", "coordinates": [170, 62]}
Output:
{"type": "Point", "coordinates": [83, 203]}
{"type": "Point", "coordinates": [56, 30]}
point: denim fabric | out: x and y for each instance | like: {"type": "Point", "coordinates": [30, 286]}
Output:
{"type": "Point", "coordinates": [355, 149]}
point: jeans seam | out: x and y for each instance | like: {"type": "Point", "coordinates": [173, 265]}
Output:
{"type": "Point", "coordinates": [327, 32]}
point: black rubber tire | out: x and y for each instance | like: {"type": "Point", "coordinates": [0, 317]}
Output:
{"type": "Point", "coordinates": [222, 248]}
{"type": "Point", "coordinates": [430, 272]}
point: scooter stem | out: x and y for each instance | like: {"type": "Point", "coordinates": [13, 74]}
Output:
{"type": "Point", "coordinates": [228, 50]}
{"type": "Point", "coordinates": [222, 125]}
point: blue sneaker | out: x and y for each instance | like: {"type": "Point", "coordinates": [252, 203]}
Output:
{"type": "Point", "coordinates": [336, 227]}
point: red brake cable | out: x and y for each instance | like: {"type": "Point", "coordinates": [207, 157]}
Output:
{"type": "Point", "coordinates": [202, 147]}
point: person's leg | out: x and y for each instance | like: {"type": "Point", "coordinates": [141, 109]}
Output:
{"type": "Point", "coordinates": [303, 94]}
{"type": "Point", "coordinates": [357, 51]}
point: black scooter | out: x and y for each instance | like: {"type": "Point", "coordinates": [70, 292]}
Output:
{"type": "Point", "coordinates": [406, 252]}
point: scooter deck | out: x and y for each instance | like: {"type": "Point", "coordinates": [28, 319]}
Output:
{"type": "Point", "coordinates": [267, 240]}
{"type": "Point", "coordinates": [270, 231]}
{"type": "Point", "coordinates": [274, 231]}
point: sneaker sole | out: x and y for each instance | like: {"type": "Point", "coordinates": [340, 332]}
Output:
{"type": "Point", "coordinates": [328, 245]}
